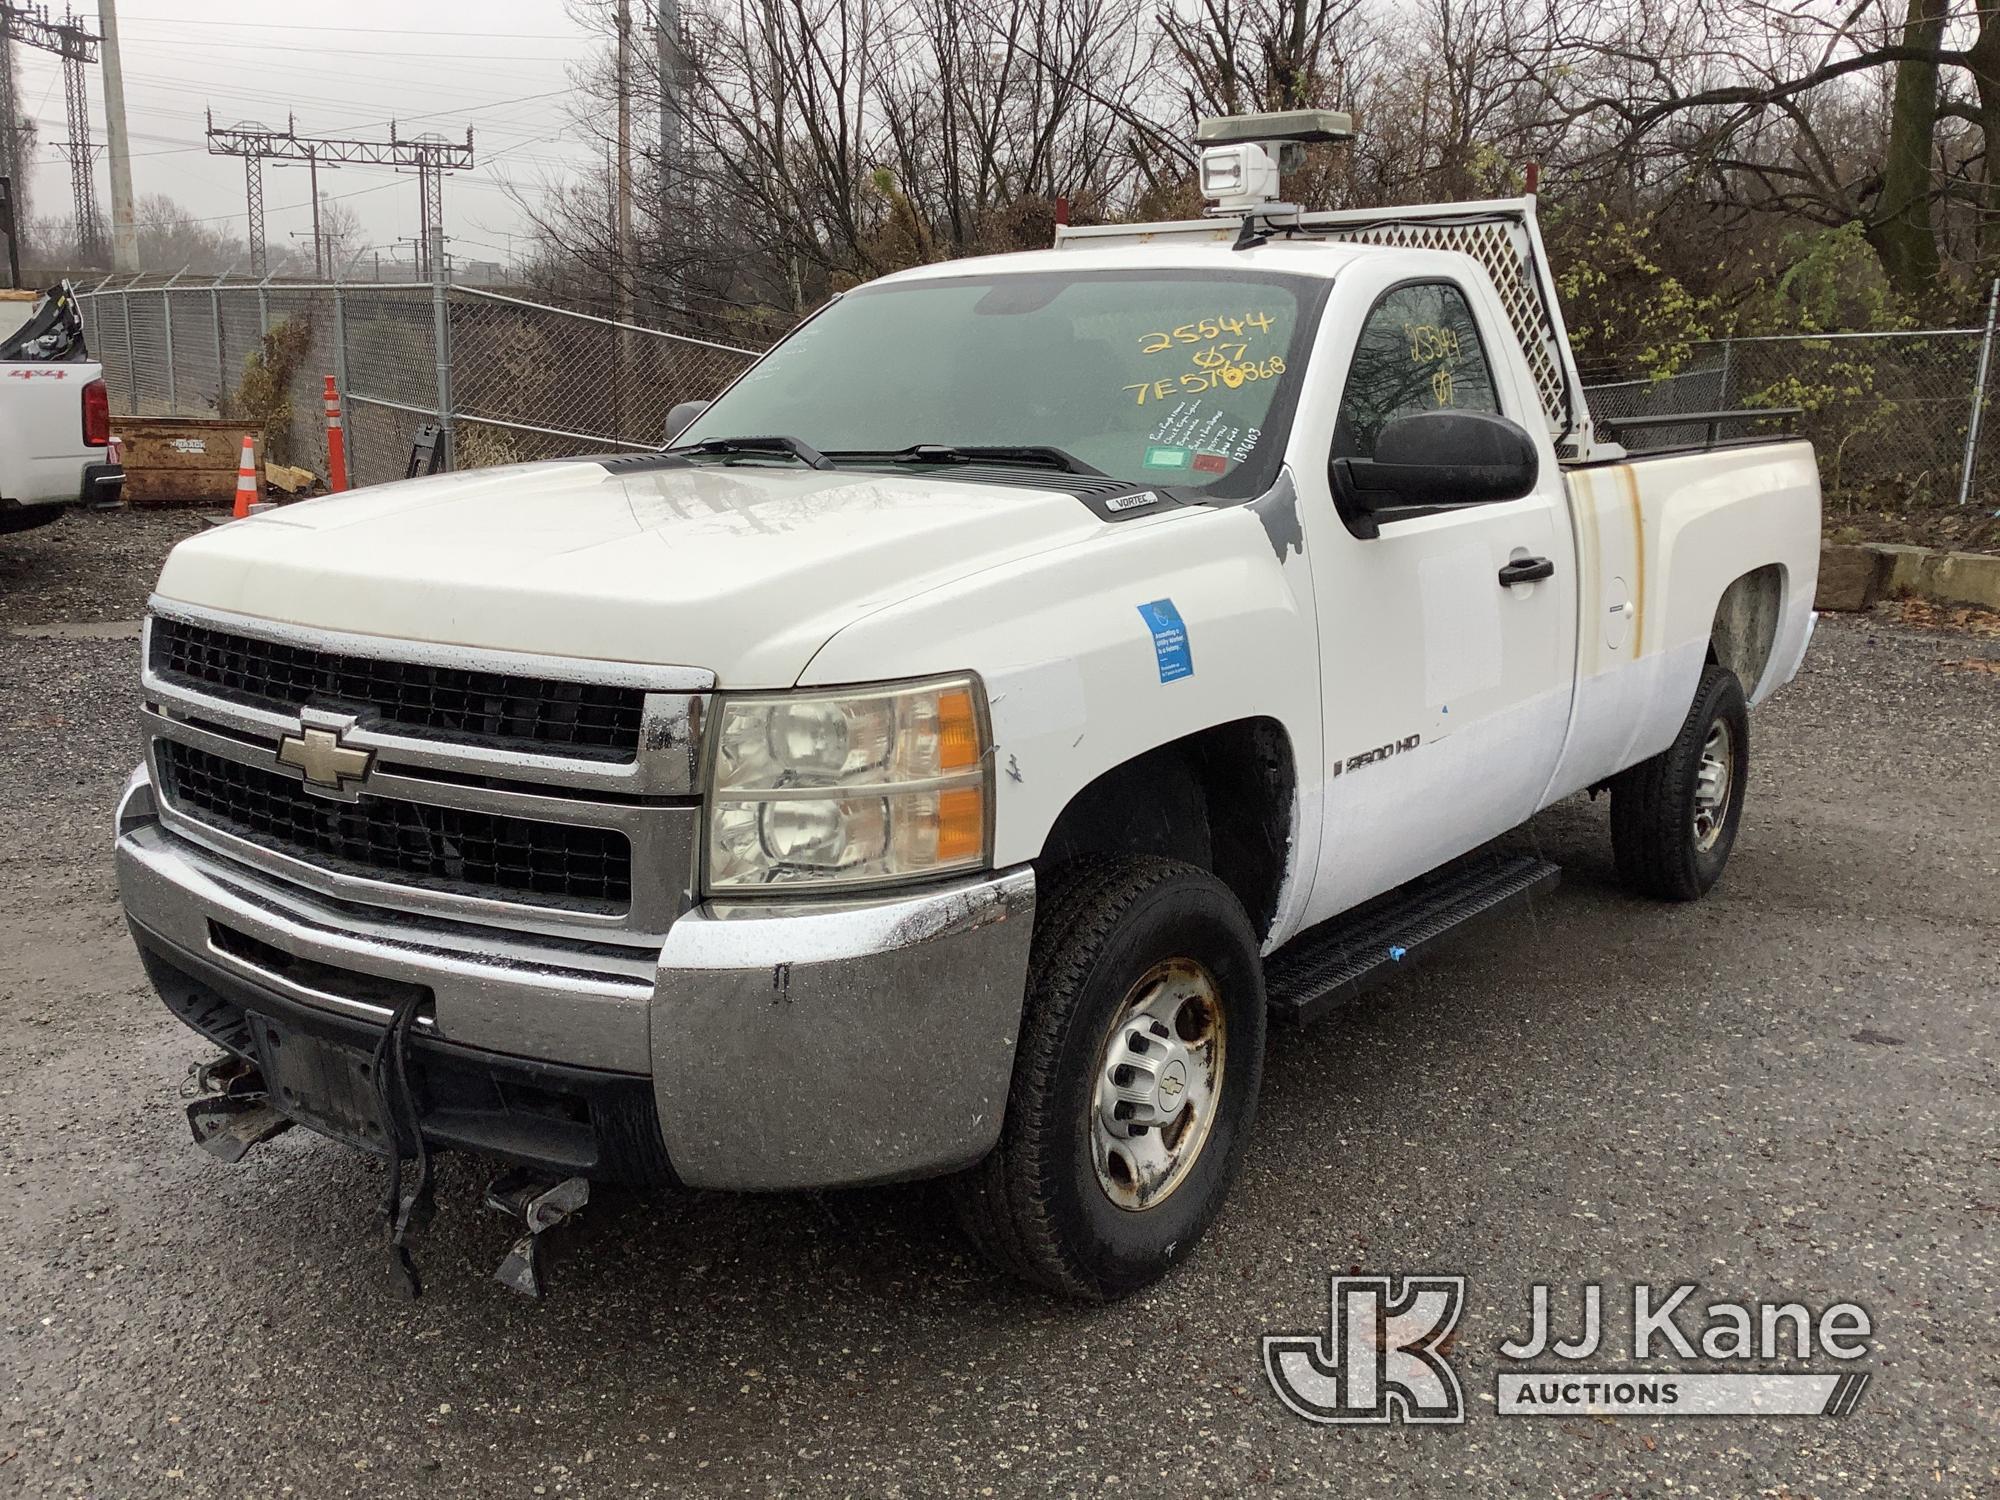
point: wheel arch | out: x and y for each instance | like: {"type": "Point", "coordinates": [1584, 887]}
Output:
{"type": "Point", "coordinates": [1745, 627]}
{"type": "Point", "coordinates": [1224, 798]}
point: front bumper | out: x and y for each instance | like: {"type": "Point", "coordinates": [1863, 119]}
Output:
{"type": "Point", "coordinates": [779, 1047]}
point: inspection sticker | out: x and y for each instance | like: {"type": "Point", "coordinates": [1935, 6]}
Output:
{"type": "Point", "coordinates": [1170, 641]}
{"type": "Point", "coordinates": [1167, 458]}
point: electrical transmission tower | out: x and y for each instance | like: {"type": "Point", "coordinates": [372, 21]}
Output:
{"type": "Point", "coordinates": [69, 40]}
{"type": "Point", "coordinates": [431, 155]}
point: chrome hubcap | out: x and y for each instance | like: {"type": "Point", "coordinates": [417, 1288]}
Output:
{"type": "Point", "coordinates": [1159, 1075]}
{"type": "Point", "coordinates": [1712, 781]}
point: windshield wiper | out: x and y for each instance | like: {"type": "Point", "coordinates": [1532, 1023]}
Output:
{"type": "Point", "coordinates": [1023, 456]}
{"type": "Point", "coordinates": [805, 453]}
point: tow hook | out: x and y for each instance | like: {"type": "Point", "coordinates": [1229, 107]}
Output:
{"type": "Point", "coordinates": [230, 1112]}
{"type": "Point", "coordinates": [538, 1204]}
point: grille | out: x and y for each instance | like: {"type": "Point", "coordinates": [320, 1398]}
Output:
{"type": "Point", "coordinates": [473, 853]}
{"type": "Point", "coordinates": [525, 713]}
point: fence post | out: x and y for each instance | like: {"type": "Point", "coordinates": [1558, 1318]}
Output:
{"type": "Point", "coordinates": [441, 337]}
{"type": "Point", "coordinates": [264, 306]}
{"type": "Point", "coordinates": [340, 373]}
{"type": "Point", "coordinates": [131, 362]}
{"type": "Point", "coordinates": [1978, 396]}
{"type": "Point", "coordinates": [221, 357]}
{"type": "Point", "coordinates": [1728, 353]}
{"type": "Point", "coordinates": [167, 321]}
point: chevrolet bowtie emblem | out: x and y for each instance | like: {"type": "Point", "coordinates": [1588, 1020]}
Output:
{"type": "Point", "coordinates": [319, 755]}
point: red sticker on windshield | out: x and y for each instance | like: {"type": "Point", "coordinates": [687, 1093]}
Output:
{"type": "Point", "coordinates": [1211, 463]}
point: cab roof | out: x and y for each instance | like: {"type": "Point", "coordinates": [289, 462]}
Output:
{"type": "Point", "coordinates": [1298, 257]}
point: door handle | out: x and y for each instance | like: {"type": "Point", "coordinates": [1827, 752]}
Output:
{"type": "Point", "coordinates": [1526, 570]}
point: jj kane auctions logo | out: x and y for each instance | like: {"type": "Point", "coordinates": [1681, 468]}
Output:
{"type": "Point", "coordinates": [1384, 1357]}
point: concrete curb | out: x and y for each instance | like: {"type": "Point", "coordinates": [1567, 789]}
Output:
{"type": "Point", "coordinates": [1855, 577]}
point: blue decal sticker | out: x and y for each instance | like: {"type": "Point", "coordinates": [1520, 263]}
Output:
{"type": "Point", "coordinates": [1170, 641]}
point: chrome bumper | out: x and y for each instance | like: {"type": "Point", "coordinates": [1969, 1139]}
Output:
{"type": "Point", "coordinates": [841, 1044]}
{"type": "Point", "coordinates": [789, 1047]}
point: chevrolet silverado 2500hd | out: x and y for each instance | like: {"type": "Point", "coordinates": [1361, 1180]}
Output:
{"type": "Point", "coordinates": [1030, 677]}
{"type": "Point", "coordinates": [55, 418]}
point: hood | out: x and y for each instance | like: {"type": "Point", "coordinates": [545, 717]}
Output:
{"type": "Point", "coordinates": [744, 570]}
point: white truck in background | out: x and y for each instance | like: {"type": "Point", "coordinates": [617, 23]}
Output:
{"type": "Point", "coordinates": [1032, 677]}
{"type": "Point", "coordinates": [55, 414]}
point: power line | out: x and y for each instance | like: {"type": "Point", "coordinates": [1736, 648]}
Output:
{"type": "Point", "coordinates": [511, 36]}
{"type": "Point", "coordinates": [321, 49]}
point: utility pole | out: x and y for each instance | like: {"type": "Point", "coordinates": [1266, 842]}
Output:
{"type": "Point", "coordinates": [124, 226]}
{"type": "Point", "coordinates": [70, 41]}
{"type": "Point", "coordinates": [667, 46]}
{"type": "Point", "coordinates": [10, 228]}
{"type": "Point", "coordinates": [11, 165]}
{"type": "Point", "coordinates": [431, 155]}
{"type": "Point", "coordinates": [77, 47]}
{"type": "Point", "coordinates": [253, 143]}
{"type": "Point", "coordinates": [622, 280]}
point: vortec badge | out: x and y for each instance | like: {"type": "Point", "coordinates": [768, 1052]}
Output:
{"type": "Point", "coordinates": [319, 755]}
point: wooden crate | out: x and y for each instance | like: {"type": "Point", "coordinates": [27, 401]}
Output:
{"type": "Point", "coordinates": [182, 460]}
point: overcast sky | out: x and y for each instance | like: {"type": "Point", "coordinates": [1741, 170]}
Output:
{"type": "Point", "coordinates": [346, 68]}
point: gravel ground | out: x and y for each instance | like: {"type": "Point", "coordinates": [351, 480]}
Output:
{"type": "Point", "coordinates": [1786, 1091]}
{"type": "Point", "coordinates": [90, 565]}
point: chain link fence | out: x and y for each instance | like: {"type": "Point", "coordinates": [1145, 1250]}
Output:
{"type": "Point", "coordinates": [517, 380]}
{"type": "Point", "coordinates": [1894, 416]}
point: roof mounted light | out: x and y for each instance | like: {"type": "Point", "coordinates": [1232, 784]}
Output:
{"type": "Point", "coordinates": [1305, 126]}
{"type": "Point", "coordinates": [1242, 155]}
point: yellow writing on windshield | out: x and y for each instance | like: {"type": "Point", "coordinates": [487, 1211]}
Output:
{"type": "Point", "coordinates": [1229, 375]}
{"type": "Point", "coordinates": [1205, 331]}
{"type": "Point", "coordinates": [1218, 352]}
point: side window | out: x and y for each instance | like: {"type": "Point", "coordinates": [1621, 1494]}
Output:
{"type": "Point", "coordinates": [1419, 350]}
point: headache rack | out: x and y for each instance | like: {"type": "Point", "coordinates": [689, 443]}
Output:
{"type": "Point", "coordinates": [1709, 424]}
{"type": "Point", "coordinates": [1499, 233]}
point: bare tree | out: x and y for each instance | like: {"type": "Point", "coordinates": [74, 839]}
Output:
{"type": "Point", "coordinates": [825, 142]}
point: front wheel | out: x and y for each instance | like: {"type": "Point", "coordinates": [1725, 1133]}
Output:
{"type": "Point", "coordinates": [1142, 1049]}
{"type": "Point", "coordinates": [1674, 817]}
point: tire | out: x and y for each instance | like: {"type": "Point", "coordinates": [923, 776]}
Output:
{"type": "Point", "coordinates": [1669, 838]}
{"type": "Point", "coordinates": [1065, 1201]}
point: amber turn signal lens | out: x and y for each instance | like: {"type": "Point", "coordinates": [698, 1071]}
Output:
{"type": "Point", "coordinates": [958, 731]}
{"type": "Point", "coordinates": [961, 825]}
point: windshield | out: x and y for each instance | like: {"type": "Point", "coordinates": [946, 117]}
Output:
{"type": "Point", "coordinates": [1181, 379]}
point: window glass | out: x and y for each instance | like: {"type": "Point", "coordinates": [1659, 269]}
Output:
{"type": "Point", "coordinates": [1418, 351]}
{"type": "Point", "coordinates": [1178, 378]}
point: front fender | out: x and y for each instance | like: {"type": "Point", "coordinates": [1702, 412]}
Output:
{"type": "Point", "coordinates": [1076, 680]}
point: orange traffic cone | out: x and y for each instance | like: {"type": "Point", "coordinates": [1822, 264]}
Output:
{"type": "Point", "coordinates": [247, 493]}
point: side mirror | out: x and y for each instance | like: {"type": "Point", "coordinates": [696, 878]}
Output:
{"type": "Point", "coordinates": [682, 416]}
{"type": "Point", "coordinates": [1432, 459]}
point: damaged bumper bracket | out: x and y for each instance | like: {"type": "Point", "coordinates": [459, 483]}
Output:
{"type": "Point", "coordinates": [231, 1113]}
{"type": "Point", "coordinates": [539, 1204]}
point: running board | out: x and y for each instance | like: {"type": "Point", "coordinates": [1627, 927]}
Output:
{"type": "Point", "coordinates": [1334, 962]}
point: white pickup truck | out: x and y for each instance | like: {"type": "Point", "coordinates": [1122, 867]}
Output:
{"type": "Point", "coordinates": [55, 414]}
{"type": "Point", "coordinates": [1032, 677]}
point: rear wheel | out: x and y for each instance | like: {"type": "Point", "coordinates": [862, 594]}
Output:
{"type": "Point", "coordinates": [1674, 817]}
{"type": "Point", "coordinates": [1142, 1049]}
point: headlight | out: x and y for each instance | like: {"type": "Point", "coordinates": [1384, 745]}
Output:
{"type": "Point", "coordinates": [847, 788]}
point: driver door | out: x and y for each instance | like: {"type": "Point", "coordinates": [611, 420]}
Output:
{"type": "Point", "coordinates": [1446, 693]}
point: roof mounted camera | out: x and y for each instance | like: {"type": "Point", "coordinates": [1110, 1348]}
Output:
{"type": "Point", "coordinates": [1243, 155]}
